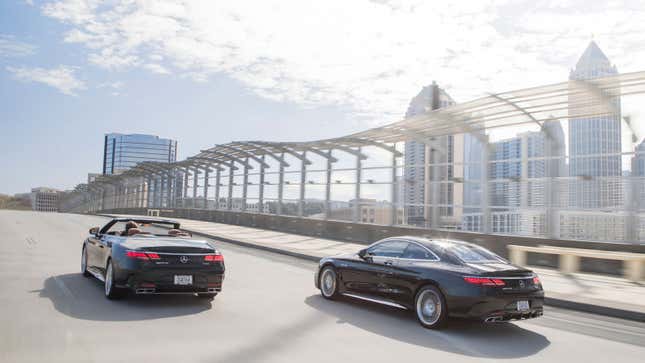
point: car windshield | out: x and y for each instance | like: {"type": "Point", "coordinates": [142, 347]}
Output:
{"type": "Point", "coordinates": [471, 253]}
{"type": "Point", "coordinates": [144, 229]}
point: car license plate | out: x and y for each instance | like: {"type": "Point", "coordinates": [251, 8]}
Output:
{"type": "Point", "coordinates": [183, 280]}
{"type": "Point", "coordinates": [522, 305]}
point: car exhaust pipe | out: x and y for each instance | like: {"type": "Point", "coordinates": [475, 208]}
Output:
{"type": "Point", "coordinates": [145, 291]}
{"type": "Point", "coordinates": [493, 319]}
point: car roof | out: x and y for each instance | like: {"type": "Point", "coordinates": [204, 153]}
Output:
{"type": "Point", "coordinates": [432, 242]}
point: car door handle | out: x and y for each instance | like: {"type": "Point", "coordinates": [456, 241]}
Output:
{"type": "Point", "coordinates": [101, 246]}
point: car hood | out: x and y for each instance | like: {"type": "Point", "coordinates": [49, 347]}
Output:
{"type": "Point", "coordinates": [168, 244]}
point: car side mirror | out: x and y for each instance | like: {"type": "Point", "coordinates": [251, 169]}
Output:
{"type": "Point", "coordinates": [94, 231]}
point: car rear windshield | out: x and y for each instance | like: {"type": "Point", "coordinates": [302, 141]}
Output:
{"type": "Point", "coordinates": [473, 254]}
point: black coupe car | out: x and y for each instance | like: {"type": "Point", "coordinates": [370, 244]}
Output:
{"type": "Point", "coordinates": [127, 255]}
{"type": "Point", "coordinates": [435, 278]}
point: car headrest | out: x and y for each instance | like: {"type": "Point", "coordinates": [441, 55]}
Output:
{"type": "Point", "coordinates": [176, 232]}
{"type": "Point", "coordinates": [133, 231]}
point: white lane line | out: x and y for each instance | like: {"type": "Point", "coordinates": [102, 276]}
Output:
{"type": "Point", "coordinates": [597, 322]}
{"type": "Point", "coordinates": [599, 327]}
{"type": "Point", "coordinates": [64, 288]}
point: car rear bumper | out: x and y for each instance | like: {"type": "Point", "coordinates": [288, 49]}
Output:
{"type": "Point", "coordinates": [162, 282]}
{"type": "Point", "coordinates": [498, 308]}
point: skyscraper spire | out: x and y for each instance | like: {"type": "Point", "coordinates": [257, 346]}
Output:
{"type": "Point", "coordinates": [592, 64]}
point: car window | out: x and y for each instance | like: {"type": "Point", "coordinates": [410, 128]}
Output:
{"type": "Point", "coordinates": [416, 252]}
{"type": "Point", "coordinates": [473, 254]}
{"type": "Point", "coordinates": [389, 249]}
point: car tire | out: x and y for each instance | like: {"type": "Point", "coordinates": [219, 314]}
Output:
{"type": "Point", "coordinates": [430, 307]}
{"type": "Point", "coordinates": [111, 292]}
{"type": "Point", "coordinates": [207, 295]}
{"type": "Point", "coordinates": [329, 283]}
{"type": "Point", "coordinates": [84, 263]}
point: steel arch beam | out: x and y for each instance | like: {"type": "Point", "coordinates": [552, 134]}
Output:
{"type": "Point", "coordinates": [198, 163]}
{"type": "Point", "coordinates": [266, 151]}
{"type": "Point", "coordinates": [338, 146]}
{"type": "Point", "coordinates": [324, 154]}
{"type": "Point", "coordinates": [224, 155]}
{"type": "Point", "coordinates": [283, 148]}
{"type": "Point", "coordinates": [381, 145]}
{"type": "Point", "coordinates": [517, 107]}
{"type": "Point", "coordinates": [206, 161]}
{"type": "Point", "coordinates": [246, 154]}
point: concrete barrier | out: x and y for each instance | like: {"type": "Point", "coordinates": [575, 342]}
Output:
{"type": "Point", "coordinates": [570, 258]}
{"type": "Point", "coordinates": [367, 233]}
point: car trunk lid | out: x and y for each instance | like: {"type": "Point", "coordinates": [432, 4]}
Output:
{"type": "Point", "coordinates": [516, 279]}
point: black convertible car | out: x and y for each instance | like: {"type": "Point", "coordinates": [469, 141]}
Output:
{"type": "Point", "coordinates": [127, 256]}
{"type": "Point", "coordinates": [436, 279]}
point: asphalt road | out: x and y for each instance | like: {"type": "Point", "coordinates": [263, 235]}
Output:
{"type": "Point", "coordinates": [269, 311]}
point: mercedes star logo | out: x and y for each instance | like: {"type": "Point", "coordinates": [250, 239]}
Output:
{"type": "Point", "coordinates": [183, 259]}
{"type": "Point", "coordinates": [521, 284]}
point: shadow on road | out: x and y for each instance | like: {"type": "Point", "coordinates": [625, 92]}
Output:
{"type": "Point", "coordinates": [469, 338]}
{"type": "Point", "coordinates": [82, 298]}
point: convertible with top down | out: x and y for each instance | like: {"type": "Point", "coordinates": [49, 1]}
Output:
{"type": "Point", "coordinates": [138, 255]}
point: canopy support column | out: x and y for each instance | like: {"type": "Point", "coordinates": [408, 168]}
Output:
{"type": "Point", "coordinates": [217, 184]}
{"type": "Point", "coordinates": [245, 186]}
{"type": "Point", "coordinates": [280, 185]}
{"type": "Point", "coordinates": [395, 194]}
{"type": "Point", "coordinates": [356, 216]}
{"type": "Point", "coordinates": [206, 176]}
{"type": "Point", "coordinates": [261, 187]}
{"type": "Point", "coordinates": [303, 181]}
{"type": "Point", "coordinates": [328, 185]}
{"type": "Point", "coordinates": [229, 204]}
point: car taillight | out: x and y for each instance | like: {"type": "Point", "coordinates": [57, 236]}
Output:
{"type": "Point", "coordinates": [213, 258]}
{"type": "Point", "coordinates": [536, 280]}
{"type": "Point", "coordinates": [484, 281]}
{"type": "Point", "coordinates": [142, 255]}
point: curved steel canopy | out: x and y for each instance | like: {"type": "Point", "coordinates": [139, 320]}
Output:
{"type": "Point", "coordinates": [566, 100]}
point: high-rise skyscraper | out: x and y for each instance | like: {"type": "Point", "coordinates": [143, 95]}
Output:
{"type": "Point", "coordinates": [594, 142]}
{"type": "Point", "coordinates": [121, 152]}
{"type": "Point", "coordinates": [417, 173]}
{"type": "Point", "coordinates": [519, 168]}
{"type": "Point", "coordinates": [638, 161]}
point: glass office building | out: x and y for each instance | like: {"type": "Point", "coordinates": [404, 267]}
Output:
{"type": "Point", "coordinates": [122, 152]}
{"type": "Point", "coordinates": [595, 142]}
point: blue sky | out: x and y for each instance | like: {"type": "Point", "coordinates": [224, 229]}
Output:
{"type": "Point", "coordinates": [207, 72]}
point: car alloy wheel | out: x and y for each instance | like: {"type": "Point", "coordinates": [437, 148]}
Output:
{"type": "Point", "coordinates": [111, 291]}
{"type": "Point", "coordinates": [84, 263]}
{"type": "Point", "coordinates": [329, 283]}
{"type": "Point", "coordinates": [430, 307]}
{"type": "Point", "coordinates": [108, 280]}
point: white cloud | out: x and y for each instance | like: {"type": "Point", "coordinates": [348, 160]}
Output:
{"type": "Point", "coordinates": [156, 68]}
{"type": "Point", "coordinates": [62, 78]}
{"type": "Point", "coordinates": [114, 87]}
{"type": "Point", "coordinates": [10, 47]}
{"type": "Point", "coordinates": [372, 56]}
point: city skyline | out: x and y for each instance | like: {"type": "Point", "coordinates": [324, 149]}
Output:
{"type": "Point", "coordinates": [169, 80]}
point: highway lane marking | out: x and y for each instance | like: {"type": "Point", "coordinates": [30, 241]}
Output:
{"type": "Point", "coordinates": [600, 327]}
{"type": "Point", "coordinates": [630, 325]}
{"type": "Point", "coordinates": [63, 288]}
